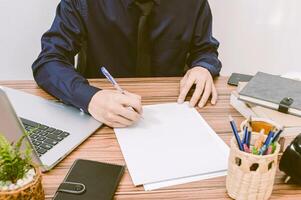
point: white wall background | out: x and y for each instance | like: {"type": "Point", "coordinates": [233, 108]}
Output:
{"type": "Point", "coordinates": [258, 35]}
{"type": "Point", "coordinates": [22, 23]}
{"type": "Point", "coordinates": [255, 35]}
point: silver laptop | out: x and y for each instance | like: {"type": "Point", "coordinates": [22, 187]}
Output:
{"type": "Point", "coordinates": [55, 129]}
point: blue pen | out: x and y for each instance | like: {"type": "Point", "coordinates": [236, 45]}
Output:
{"type": "Point", "coordinates": [249, 137]}
{"type": "Point", "coordinates": [114, 83]}
{"type": "Point", "coordinates": [245, 137]}
{"type": "Point", "coordinates": [276, 137]}
{"type": "Point", "coordinates": [234, 129]}
{"type": "Point", "coordinates": [111, 79]}
{"type": "Point", "coordinates": [266, 143]}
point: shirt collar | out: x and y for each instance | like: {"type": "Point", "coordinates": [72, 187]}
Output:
{"type": "Point", "coordinates": [128, 3]}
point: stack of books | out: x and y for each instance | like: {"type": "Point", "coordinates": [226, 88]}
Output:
{"type": "Point", "coordinates": [262, 96]}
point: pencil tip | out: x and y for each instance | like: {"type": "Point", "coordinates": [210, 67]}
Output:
{"type": "Point", "coordinates": [230, 118]}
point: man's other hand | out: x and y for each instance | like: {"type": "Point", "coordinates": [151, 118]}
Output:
{"type": "Point", "coordinates": [113, 108]}
{"type": "Point", "coordinates": [202, 78]}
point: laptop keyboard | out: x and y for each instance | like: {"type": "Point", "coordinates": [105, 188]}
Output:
{"type": "Point", "coordinates": [43, 137]}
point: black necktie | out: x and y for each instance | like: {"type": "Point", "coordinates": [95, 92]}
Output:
{"type": "Point", "coordinates": [143, 64]}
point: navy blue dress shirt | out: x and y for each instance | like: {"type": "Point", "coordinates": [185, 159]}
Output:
{"type": "Point", "coordinates": [181, 35]}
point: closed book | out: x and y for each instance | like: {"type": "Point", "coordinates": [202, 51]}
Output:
{"type": "Point", "coordinates": [270, 91]}
{"type": "Point", "coordinates": [90, 180]}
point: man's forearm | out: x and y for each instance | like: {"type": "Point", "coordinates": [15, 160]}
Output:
{"type": "Point", "coordinates": [208, 61]}
{"type": "Point", "coordinates": [63, 82]}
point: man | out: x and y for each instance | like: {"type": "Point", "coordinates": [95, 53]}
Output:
{"type": "Point", "coordinates": [130, 38]}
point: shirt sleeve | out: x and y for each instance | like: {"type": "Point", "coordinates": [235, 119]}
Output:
{"type": "Point", "coordinates": [203, 51]}
{"type": "Point", "coordinates": [54, 68]}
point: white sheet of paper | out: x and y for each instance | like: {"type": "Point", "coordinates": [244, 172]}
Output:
{"type": "Point", "coordinates": [168, 183]}
{"type": "Point", "coordinates": [162, 184]}
{"type": "Point", "coordinates": [170, 142]}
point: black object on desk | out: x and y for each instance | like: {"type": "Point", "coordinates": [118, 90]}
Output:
{"type": "Point", "coordinates": [235, 78]}
{"type": "Point", "coordinates": [290, 162]}
{"type": "Point", "coordinates": [90, 180]}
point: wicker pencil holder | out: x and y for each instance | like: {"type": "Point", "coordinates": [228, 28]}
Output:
{"type": "Point", "coordinates": [250, 176]}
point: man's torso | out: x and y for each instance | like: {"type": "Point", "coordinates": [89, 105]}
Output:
{"type": "Point", "coordinates": [111, 35]}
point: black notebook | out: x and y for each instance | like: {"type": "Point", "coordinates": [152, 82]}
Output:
{"type": "Point", "coordinates": [90, 180]}
{"type": "Point", "coordinates": [273, 92]}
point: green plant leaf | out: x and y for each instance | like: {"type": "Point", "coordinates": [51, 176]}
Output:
{"type": "Point", "coordinates": [14, 163]}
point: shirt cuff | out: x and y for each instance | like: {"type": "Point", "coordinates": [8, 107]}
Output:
{"type": "Point", "coordinates": [211, 68]}
{"type": "Point", "coordinates": [83, 95]}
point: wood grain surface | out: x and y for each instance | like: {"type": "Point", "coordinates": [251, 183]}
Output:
{"type": "Point", "coordinates": [102, 145]}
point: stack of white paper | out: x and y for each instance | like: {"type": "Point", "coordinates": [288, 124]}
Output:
{"type": "Point", "coordinates": [172, 144]}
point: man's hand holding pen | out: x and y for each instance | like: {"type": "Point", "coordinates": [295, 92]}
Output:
{"type": "Point", "coordinates": [112, 108]}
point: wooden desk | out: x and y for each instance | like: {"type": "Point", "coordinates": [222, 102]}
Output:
{"type": "Point", "coordinates": [102, 146]}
